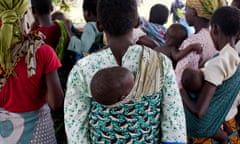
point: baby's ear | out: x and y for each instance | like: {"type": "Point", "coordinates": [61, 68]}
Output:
{"type": "Point", "coordinates": [99, 26]}
{"type": "Point", "coordinates": [137, 23]}
{"type": "Point", "coordinates": [122, 98]}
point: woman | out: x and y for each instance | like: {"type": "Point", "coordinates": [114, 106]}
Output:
{"type": "Point", "coordinates": [151, 113]}
{"type": "Point", "coordinates": [28, 80]}
{"type": "Point", "coordinates": [219, 96]}
{"type": "Point", "coordinates": [56, 36]}
{"type": "Point", "coordinates": [198, 15]}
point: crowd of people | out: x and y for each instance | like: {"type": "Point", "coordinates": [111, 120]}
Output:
{"type": "Point", "coordinates": [123, 79]}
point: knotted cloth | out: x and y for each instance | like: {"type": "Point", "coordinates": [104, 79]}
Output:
{"type": "Point", "coordinates": [11, 12]}
{"type": "Point", "coordinates": [205, 8]}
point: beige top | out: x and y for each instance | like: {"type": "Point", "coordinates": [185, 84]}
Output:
{"type": "Point", "coordinates": [222, 68]}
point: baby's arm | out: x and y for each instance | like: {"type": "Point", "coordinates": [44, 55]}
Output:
{"type": "Point", "coordinates": [147, 41]}
{"type": "Point", "coordinates": [199, 107]}
{"type": "Point", "coordinates": [179, 54]}
{"type": "Point", "coordinates": [164, 50]}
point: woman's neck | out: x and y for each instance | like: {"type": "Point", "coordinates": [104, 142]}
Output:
{"type": "Point", "coordinates": [119, 45]}
{"type": "Point", "coordinates": [200, 23]}
{"type": "Point", "coordinates": [45, 21]}
{"type": "Point", "coordinates": [226, 40]}
{"type": "Point", "coordinates": [91, 18]}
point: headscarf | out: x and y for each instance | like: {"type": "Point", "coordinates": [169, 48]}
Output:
{"type": "Point", "coordinates": [11, 12]}
{"type": "Point", "coordinates": [205, 8]}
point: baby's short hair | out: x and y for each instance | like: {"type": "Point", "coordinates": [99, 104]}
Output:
{"type": "Point", "coordinates": [192, 79]}
{"type": "Point", "coordinates": [108, 85]}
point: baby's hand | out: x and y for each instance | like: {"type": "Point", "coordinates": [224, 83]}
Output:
{"type": "Point", "coordinates": [197, 47]}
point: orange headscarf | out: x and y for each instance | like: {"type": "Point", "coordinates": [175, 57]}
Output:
{"type": "Point", "coordinates": [205, 8]}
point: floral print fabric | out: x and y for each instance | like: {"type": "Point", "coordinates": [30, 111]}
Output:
{"type": "Point", "coordinates": [81, 112]}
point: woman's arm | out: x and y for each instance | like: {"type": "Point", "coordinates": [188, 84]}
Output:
{"type": "Point", "coordinates": [49, 63]}
{"type": "Point", "coordinates": [77, 105]}
{"type": "Point", "coordinates": [173, 124]}
{"type": "Point", "coordinates": [200, 106]}
{"type": "Point", "coordinates": [54, 90]}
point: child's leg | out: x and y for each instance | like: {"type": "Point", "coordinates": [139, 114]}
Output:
{"type": "Point", "coordinates": [221, 136]}
{"type": "Point", "coordinates": [227, 128]}
{"type": "Point", "coordinates": [231, 128]}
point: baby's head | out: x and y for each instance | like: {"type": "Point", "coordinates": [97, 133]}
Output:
{"type": "Point", "coordinates": [175, 35]}
{"type": "Point", "coordinates": [117, 17]}
{"type": "Point", "coordinates": [159, 14]}
{"type": "Point", "coordinates": [225, 25]}
{"type": "Point", "coordinates": [110, 85]}
{"type": "Point", "coordinates": [192, 79]}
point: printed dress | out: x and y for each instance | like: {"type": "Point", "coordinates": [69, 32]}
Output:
{"type": "Point", "coordinates": [151, 113]}
{"type": "Point", "coordinates": [194, 60]}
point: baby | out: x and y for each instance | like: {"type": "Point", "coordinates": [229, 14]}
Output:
{"type": "Point", "coordinates": [174, 37]}
{"type": "Point", "coordinates": [193, 81]}
{"type": "Point", "coordinates": [111, 85]}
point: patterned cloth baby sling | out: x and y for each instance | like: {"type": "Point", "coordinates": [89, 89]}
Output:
{"type": "Point", "coordinates": [217, 111]}
{"type": "Point", "coordinates": [136, 119]}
